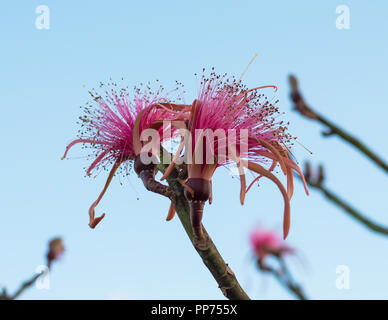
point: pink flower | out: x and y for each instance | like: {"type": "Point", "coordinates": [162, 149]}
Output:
{"type": "Point", "coordinates": [108, 126]}
{"type": "Point", "coordinates": [252, 137]}
{"type": "Point", "coordinates": [111, 129]}
{"type": "Point", "coordinates": [265, 242]}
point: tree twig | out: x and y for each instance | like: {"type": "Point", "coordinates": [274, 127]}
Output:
{"type": "Point", "coordinates": [306, 111]}
{"type": "Point", "coordinates": [56, 249]}
{"type": "Point", "coordinates": [318, 184]}
{"type": "Point", "coordinates": [284, 277]}
{"type": "Point", "coordinates": [211, 257]}
{"type": "Point", "coordinates": [27, 284]}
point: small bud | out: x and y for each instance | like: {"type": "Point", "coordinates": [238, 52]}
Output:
{"type": "Point", "coordinates": [307, 171]}
{"type": "Point", "coordinates": [56, 249]}
{"type": "Point", "coordinates": [321, 175]}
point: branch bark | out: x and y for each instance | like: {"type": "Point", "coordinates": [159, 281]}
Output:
{"type": "Point", "coordinates": [317, 183]}
{"type": "Point", "coordinates": [27, 284]}
{"type": "Point", "coordinates": [210, 256]}
{"type": "Point", "coordinates": [354, 213]}
{"type": "Point", "coordinates": [332, 129]}
{"type": "Point", "coordinates": [284, 277]}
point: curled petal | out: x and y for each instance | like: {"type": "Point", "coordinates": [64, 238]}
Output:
{"type": "Point", "coordinates": [289, 163]}
{"type": "Point", "coordinates": [243, 184]}
{"type": "Point", "coordinates": [174, 159]}
{"type": "Point", "coordinates": [93, 221]}
{"type": "Point", "coordinates": [171, 212]}
{"type": "Point", "coordinates": [260, 170]}
{"type": "Point", "coordinates": [290, 183]}
{"type": "Point", "coordinates": [275, 152]}
{"type": "Point", "coordinates": [273, 165]}
{"type": "Point", "coordinates": [292, 165]}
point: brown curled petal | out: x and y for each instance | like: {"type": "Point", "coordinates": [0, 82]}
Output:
{"type": "Point", "coordinates": [92, 220]}
{"type": "Point", "coordinates": [95, 221]}
{"type": "Point", "coordinates": [171, 212]}
{"type": "Point", "coordinates": [168, 171]}
{"type": "Point", "coordinates": [273, 165]}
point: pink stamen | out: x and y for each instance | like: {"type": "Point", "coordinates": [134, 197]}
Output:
{"type": "Point", "coordinates": [96, 161]}
{"type": "Point", "coordinates": [71, 144]}
{"type": "Point", "coordinates": [136, 134]}
{"type": "Point", "coordinates": [262, 87]}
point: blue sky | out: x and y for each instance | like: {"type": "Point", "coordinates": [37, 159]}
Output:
{"type": "Point", "coordinates": [134, 253]}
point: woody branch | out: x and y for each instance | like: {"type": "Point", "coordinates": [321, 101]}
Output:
{"type": "Point", "coordinates": [332, 129]}
{"type": "Point", "coordinates": [210, 256]}
{"type": "Point", "coordinates": [317, 182]}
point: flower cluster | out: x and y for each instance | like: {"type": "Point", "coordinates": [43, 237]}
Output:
{"type": "Point", "coordinates": [227, 123]}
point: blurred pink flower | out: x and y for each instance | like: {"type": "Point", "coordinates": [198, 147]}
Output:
{"type": "Point", "coordinates": [266, 242]}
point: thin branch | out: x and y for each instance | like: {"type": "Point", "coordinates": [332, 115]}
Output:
{"type": "Point", "coordinates": [332, 129]}
{"type": "Point", "coordinates": [318, 184]}
{"type": "Point", "coordinates": [211, 257]}
{"type": "Point", "coordinates": [56, 249]}
{"type": "Point", "coordinates": [284, 277]}
{"type": "Point", "coordinates": [27, 284]}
